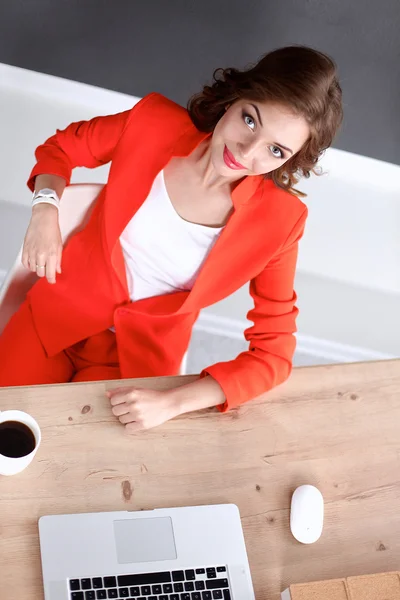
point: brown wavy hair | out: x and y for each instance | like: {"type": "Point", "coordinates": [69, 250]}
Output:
{"type": "Point", "coordinates": [300, 78]}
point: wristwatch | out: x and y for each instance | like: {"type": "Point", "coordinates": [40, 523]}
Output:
{"type": "Point", "coordinates": [47, 196]}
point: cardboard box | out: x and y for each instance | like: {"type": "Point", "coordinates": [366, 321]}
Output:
{"type": "Point", "coordinates": [383, 586]}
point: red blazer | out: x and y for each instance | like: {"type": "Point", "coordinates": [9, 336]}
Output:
{"type": "Point", "coordinates": [258, 245]}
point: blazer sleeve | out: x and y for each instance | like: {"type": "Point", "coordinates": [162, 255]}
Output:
{"type": "Point", "coordinates": [83, 144]}
{"type": "Point", "coordinates": [268, 361]}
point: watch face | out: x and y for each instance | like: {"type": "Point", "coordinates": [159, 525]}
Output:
{"type": "Point", "coordinates": [45, 192]}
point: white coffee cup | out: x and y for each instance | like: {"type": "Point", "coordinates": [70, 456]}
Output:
{"type": "Point", "coordinates": [10, 465]}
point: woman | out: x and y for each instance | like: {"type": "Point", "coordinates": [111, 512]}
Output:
{"type": "Point", "coordinates": [198, 202]}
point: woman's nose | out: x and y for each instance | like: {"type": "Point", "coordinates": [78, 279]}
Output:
{"type": "Point", "coordinates": [248, 149]}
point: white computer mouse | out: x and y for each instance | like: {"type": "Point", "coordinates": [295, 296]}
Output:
{"type": "Point", "coordinates": [307, 514]}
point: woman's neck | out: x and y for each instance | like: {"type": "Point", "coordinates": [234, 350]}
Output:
{"type": "Point", "coordinates": [210, 178]}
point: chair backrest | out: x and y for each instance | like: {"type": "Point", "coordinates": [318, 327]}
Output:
{"type": "Point", "coordinates": [76, 205]}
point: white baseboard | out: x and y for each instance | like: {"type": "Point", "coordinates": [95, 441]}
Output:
{"type": "Point", "coordinates": [328, 350]}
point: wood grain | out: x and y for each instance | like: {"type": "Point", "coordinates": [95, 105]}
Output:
{"type": "Point", "coordinates": [336, 427]}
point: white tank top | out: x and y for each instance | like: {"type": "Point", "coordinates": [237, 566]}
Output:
{"type": "Point", "coordinates": [163, 253]}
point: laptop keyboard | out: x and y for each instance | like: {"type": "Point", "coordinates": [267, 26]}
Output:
{"type": "Point", "coordinates": [206, 583]}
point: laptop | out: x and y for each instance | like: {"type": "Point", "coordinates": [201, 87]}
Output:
{"type": "Point", "coordinates": [190, 553]}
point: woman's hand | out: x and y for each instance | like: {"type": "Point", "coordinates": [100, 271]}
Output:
{"type": "Point", "coordinates": [43, 244]}
{"type": "Point", "coordinates": [139, 409]}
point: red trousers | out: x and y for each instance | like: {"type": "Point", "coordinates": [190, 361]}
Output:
{"type": "Point", "coordinates": [23, 360]}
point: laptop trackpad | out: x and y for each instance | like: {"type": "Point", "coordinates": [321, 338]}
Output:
{"type": "Point", "coordinates": [144, 540]}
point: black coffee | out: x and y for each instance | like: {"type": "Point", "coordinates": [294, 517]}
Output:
{"type": "Point", "coordinates": [16, 439]}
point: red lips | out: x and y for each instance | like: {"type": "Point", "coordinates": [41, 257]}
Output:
{"type": "Point", "coordinates": [230, 161]}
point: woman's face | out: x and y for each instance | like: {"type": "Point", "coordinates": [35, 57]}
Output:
{"type": "Point", "coordinates": [254, 138]}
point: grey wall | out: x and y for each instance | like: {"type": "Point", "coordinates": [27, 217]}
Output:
{"type": "Point", "coordinates": [173, 46]}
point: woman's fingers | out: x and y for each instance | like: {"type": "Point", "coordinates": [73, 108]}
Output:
{"type": "Point", "coordinates": [128, 418]}
{"type": "Point", "coordinates": [32, 262]}
{"type": "Point", "coordinates": [51, 266]}
{"type": "Point", "coordinates": [41, 265]}
{"type": "Point", "coordinates": [41, 270]}
{"type": "Point", "coordinates": [120, 409]}
{"type": "Point", "coordinates": [133, 427]}
{"type": "Point", "coordinates": [25, 258]}
{"type": "Point", "coordinates": [59, 256]}
{"type": "Point", "coordinates": [120, 395]}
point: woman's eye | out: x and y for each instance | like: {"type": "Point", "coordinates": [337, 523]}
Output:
{"type": "Point", "coordinates": [275, 151]}
{"type": "Point", "coordinates": [249, 121]}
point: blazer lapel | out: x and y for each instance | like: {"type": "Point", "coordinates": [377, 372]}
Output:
{"type": "Point", "coordinates": [244, 247]}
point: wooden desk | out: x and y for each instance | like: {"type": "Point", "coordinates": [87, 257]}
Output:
{"type": "Point", "coordinates": [334, 426]}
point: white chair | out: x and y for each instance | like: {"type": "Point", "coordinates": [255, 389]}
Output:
{"type": "Point", "coordinates": [75, 209]}
{"type": "Point", "coordinates": [76, 205]}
